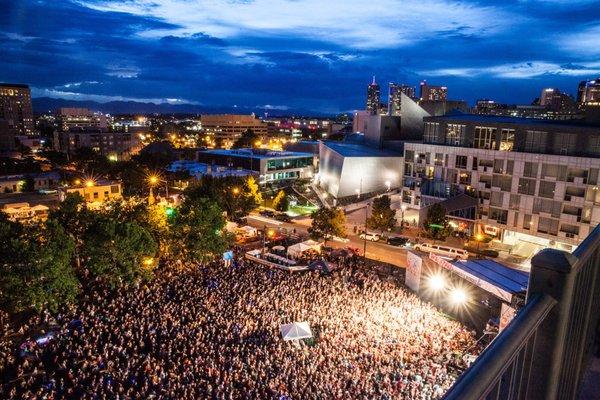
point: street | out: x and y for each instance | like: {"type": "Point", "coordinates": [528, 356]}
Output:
{"type": "Point", "coordinates": [375, 250]}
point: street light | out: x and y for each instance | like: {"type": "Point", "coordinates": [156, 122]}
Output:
{"type": "Point", "coordinates": [89, 183]}
{"type": "Point", "coordinates": [402, 208]}
{"type": "Point", "coordinates": [235, 190]}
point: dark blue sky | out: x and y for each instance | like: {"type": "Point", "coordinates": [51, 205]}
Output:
{"type": "Point", "coordinates": [312, 54]}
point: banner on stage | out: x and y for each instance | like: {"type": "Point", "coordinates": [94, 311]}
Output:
{"type": "Point", "coordinates": [507, 313]}
{"type": "Point", "coordinates": [413, 271]}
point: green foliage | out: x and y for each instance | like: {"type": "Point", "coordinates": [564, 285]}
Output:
{"type": "Point", "coordinates": [436, 217]}
{"type": "Point", "coordinates": [35, 266]}
{"type": "Point", "coordinates": [197, 231]}
{"type": "Point", "coordinates": [327, 222]}
{"type": "Point", "coordinates": [254, 190]}
{"type": "Point", "coordinates": [246, 140]}
{"type": "Point", "coordinates": [382, 216]}
{"type": "Point", "coordinates": [281, 202]}
{"type": "Point", "coordinates": [232, 194]}
{"type": "Point", "coordinates": [116, 251]}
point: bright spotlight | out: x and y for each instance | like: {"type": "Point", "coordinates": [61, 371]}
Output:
{"type": "Point", "coordinates": [458, 296]}
{"type": "Point", "coordinates": [436, 282]}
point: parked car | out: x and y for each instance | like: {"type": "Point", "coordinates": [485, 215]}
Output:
{"type": "Point", "coordinates": [442, 250]}
{"type": "Point", "coordinates": [267, 213]}
{"type": "Point", "coordinates": [373, 237]}
{"type": "Point", "coordinates": [283, 217]}
{"type": "Point", "coordinates": [397, 241]}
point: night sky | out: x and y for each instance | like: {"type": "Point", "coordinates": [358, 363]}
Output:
{"type": "Point", "coordinates": [311, 54]}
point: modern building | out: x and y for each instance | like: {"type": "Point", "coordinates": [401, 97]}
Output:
{"type": "Point", "coordinates": [536, 182]}
{"type": "Point", "coordinates": [69, 118]}
{"type": "Point", "coordinates": [269, 164]}
{"type": "Point", "coordinates": [359, 121]}
{"type": "Point", "coordinates": [114, 145]}
{"type": "Point", "coordinates": [94, 192]}
{"type": "Point", "coordinates": [373, 98]}
{"type": "Point", "coordinates": [230, 127]}
{"type": "Point", "coordinates": [557, 101]}
{"type": "Point", "coordinates": [15, 108]}
{"type": "Point", "coordinates": [432, 93]}
{"type": "Point", "coordinates": [444, 107]}
{"type": "Point", "coordinates": [347, 169]}
{"type": "Point", "coordinates": [395, 99]}
{"type": "Point", "coordinates": [588, 91]}
{"type": "Point", "coordinates": [197, 169]}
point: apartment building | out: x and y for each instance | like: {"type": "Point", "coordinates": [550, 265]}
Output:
{"type": "Point", "coordinates": [533, 181]}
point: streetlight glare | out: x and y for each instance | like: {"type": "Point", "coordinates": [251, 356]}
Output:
{"type": "Point", "coordinates": [89, 183]}
{"type": "Point", "coordinates": [436, 282]}
{"type": "Point", "coordinates": [458, 296]}
{"type": "Point", "coordinates": [153, 179]}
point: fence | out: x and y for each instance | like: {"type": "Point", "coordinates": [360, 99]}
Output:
{"type": "Point", "coordinates": [543, 352]}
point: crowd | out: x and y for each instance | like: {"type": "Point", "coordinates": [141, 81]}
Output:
{"type": "Point", "coordinates": [213, 333]}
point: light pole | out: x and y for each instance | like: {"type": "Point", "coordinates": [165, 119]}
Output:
{"type": "Point", "coordinates": [402, 208]}
{"type": "Point", "coordinates": [365, 233]}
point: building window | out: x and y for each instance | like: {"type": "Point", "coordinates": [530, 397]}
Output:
{"type": "Point", "coordinates": [431, 132]}
{"type": "Point", "coordinates": [439, 159]}
{"type": "Point", "coordinates": [504, 182]}
{"type": "Point", "coordinates": [455, 134]}
{"type": "Point", "coordinates": [564, 143]}
{"type": "Point", "coordinates": [594, 145]}
{"type": "Point", "coordinates": [530, 170]}
{"type": "Point", "coordinates": [509, 166]}
{"type": "Point", "coordinates": [498, 166]}
{"type": "Point", "coordinates": [535, 141]}
{"type": "Point", "coordinates": [409, 155]}
{"type": "Point", "coordinates": [514, 202]}
{"type": "Point", "coordinates": [496, 199]}
{"type": "Point", "coordinates": [548, 225]}
{"type": "Point", "coordinates": [527, 222]}
{"type": "Point", "coordinates": [547, 189]}
{"type": "Point", "coordinates": [498, 215]}
{"type": "Point", "coordinates": [527, 186]}
{"type": "Point", "coordinates": [114, 189]}
{"type": "Point", "coordinates": [547, 206]}
{"type": "Point", "coordinates": [484, 138]}
{"type": "Point", "coordinates": [507, 139]}
{"type": "Point", "coordinates": [461, 162]}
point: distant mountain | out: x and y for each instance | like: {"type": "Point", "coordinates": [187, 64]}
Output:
{"type": "Point", "coordinates": [45, 104]}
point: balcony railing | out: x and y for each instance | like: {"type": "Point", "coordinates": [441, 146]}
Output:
{"type": "Point", "coordinates": [543, 352]}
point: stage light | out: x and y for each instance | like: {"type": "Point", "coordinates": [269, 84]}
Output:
{"type": "Point", "coordinates": [436, 282]}
{"type": "Point", "coordinates": [458, 296]}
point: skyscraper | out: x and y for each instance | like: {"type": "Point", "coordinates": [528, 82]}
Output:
{"type": "Point", "coordinates": [373, 98]}
{"type": "Point", "coordinates": [433, 93]}
{"type": "Point", "coordinates": [588, 91]}
{"type": "Point", "coordinates": [555, 100]}
{"type": "Point", "coordinates": [395, 95]}
{"type": "Point", "coordinates": [15, 108]}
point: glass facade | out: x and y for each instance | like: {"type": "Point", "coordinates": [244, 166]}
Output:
{"type": "Point", "coordinates": [289, 163]}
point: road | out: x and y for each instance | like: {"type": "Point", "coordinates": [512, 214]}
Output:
{"type": "Point", "coordinates": [375, 250]}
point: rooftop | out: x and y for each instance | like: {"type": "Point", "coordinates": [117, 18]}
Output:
{"type": "Point", "coordinates": [257, 153]}
{"type": "Point", "coordinates": [359, 150]}
{"type": "Point", "coordinates": [496, 119]}
{"type": "Point", "coordinates": [499, 275]}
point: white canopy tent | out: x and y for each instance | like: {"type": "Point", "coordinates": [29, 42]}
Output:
{"type": "Point", "coordinates": [299, 248]}
{"type": "Point", "coordinates": [249, 230]}
{"type": "Point", "coordinates": [296, 331]}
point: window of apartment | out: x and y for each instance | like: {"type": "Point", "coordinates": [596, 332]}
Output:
{"type": "Point", "coordinates": [577, 173]}
{"type": "Point", "coordinates": [461, 162]}
{"type": "Point", "coordinates": [565, 143]}
{"type": "Point", "coordinates": [514, 202]}
{"type": "Point", "coordinates": [547, 206]}
{"type": "Point", "coordinates": [427, 158]}
{"type": "Point", "coordinates": [96, 195]}
{"type": "Point", "coordinates": [569, 229]}
{"type": "Point", "coordinates": [486, 163]}
{"type": "Point", "coordinates": [484, 138]}
{"type": "Point", "coordinates": [455, 134]}
{"type": "Point", "coordinates": [527, 221]}
{"type": "Point", "coordinates": [498, 166]}
{"type": "Point", "coordinates": [499, 215]}
{"type": "Point", "coordinates": [114, 189]}
{"type": "Point", "coordinates": [487, 180]}
{"type": "Point", "coordinates": [496, 199]}
{"type": "Point", "coordinates": [586, 215]}
{"type": "Point", "coordinates": [474, 165]}
{"type": "Point", "coordinates": [504, 182]}
{"type": "Point", "coordinates": [594, 145]}
{"type": "Point", "coordinates": [464, 178]}
{"type": "Point", "coordinates": [510, 164]}
{"type": "Point", "coordinates": [431, 132]}
{"type": "Point", "coordinates": [547, 189]}
{"type": "Point", "coordinates": [106, 194]}
{"type": "Point", "coordinates": [548, 225]}
{"type": "Point", "coordinates": [592, 193]}
{"type": "Point", "coordinates": [439, 159]}
{"type": "Point", "coordinates": [408, 169]}
{"type": "Point", "coordinates": [530, 169]}
{"type": "Point", "coordinates": [516, 220]}
{"type": "Point", "coordinates": [593, 176]}
{"type": "Point", "coordinates": [409, 155]}
{"type": "Point", "coordinates": [527, 186]}
{"type": "Point", "coordinates": [507, 139]}
{"type": "Point", "coordinates": [535, 141]}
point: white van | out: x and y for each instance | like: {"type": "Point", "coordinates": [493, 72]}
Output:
{"type": "Point", "coordinates": [442, 250]}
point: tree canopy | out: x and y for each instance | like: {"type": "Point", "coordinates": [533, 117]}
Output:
{"type": "Point", "coordinates": [248, 139]}
{"type": "Point", "coordinates": [327, 222]}
{"type": "Point", "coordinates": [382, 216]}
{"type": "Point", "coordinates": [436, 222]}
{"type": "Point", "coordinates": [235, 195]}
{"type": "Point", "coordinates": [281, 201]}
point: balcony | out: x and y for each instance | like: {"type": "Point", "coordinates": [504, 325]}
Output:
{"type": "Point", "coordinates": [544, 351]}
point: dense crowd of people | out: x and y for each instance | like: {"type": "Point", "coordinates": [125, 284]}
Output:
{"type": "Point", "coordinates": [214, 333]}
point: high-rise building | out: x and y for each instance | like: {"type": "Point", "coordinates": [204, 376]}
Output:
{"type": "Point", "coordinates": [373, 98]}
{"type": "Point", "coordinates": [15, 108]}
{"type": "Point", "coordinates": [230, 127]}
{"type": "Point", "coordinates": [395, 95]}
{"type": "Point", "coordinates": [75, 118]}
{"type": "Point", "coordinates": [433, 93]}
{"type": "Point", "coordinates": [588, 91]}
{"type": "Point", "coordinates": [555, 100]}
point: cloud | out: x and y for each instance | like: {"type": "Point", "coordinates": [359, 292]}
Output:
{"type": "Point", "coordinates": [586, 42]}
{"type": "Point", "coordinates": [350, 23]}
{"type": "Point", "coordinates": [60, 94]}
{"type": "Point", "coordinates": [522, 70]}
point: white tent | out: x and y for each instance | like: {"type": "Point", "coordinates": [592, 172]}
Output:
{"type": "Point", "coordinates": [299, 248]}
{"type": "Point", "coordinates": [278, 248]}
{"type": "Point", "coordinates": [249, 230]}
{"type": "Point", "coordinates": [296, 331]}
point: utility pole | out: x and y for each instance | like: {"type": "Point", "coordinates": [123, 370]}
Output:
{"type": "Point", "coordinates": [365, 241]}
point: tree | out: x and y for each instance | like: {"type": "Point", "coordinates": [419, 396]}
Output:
{"type": "Point", "coordinates": [35, 266]}
{"type": "Point", "coordinates": [382, 216]}
{"type": "Point", "coordinates": [436, 222]}
{"type": "Point", "coordinates": [327, 222]}
{"type": "Point", "coordinates": [118, 252]}
{"type": "Point", "coordinates": [233, 194]}
{"type": "Point", "coordinates": [29, 185]}
{"type": "Point", "coordinates": [254, 190]}
{"type": "Point", "coordinates": [281, 202]}
{"type": "Point", "coordinates": [197, 231]}
{"type": "Point", "coordinates": [248, 139]}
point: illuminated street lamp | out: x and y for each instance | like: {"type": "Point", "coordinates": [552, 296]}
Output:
{"type": "Point", "coordinates": [89, 183]}
{"type": "Point", "coordinates": [389, 185]}
{"type": "Point", "coordinates": [235, 190]}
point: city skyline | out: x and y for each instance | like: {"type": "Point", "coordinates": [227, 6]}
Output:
{"type": "Point", "coordinates": [247, 53]}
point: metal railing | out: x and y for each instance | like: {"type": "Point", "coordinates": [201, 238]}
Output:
{"type": "Point", "coordinates": [543, 352]}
